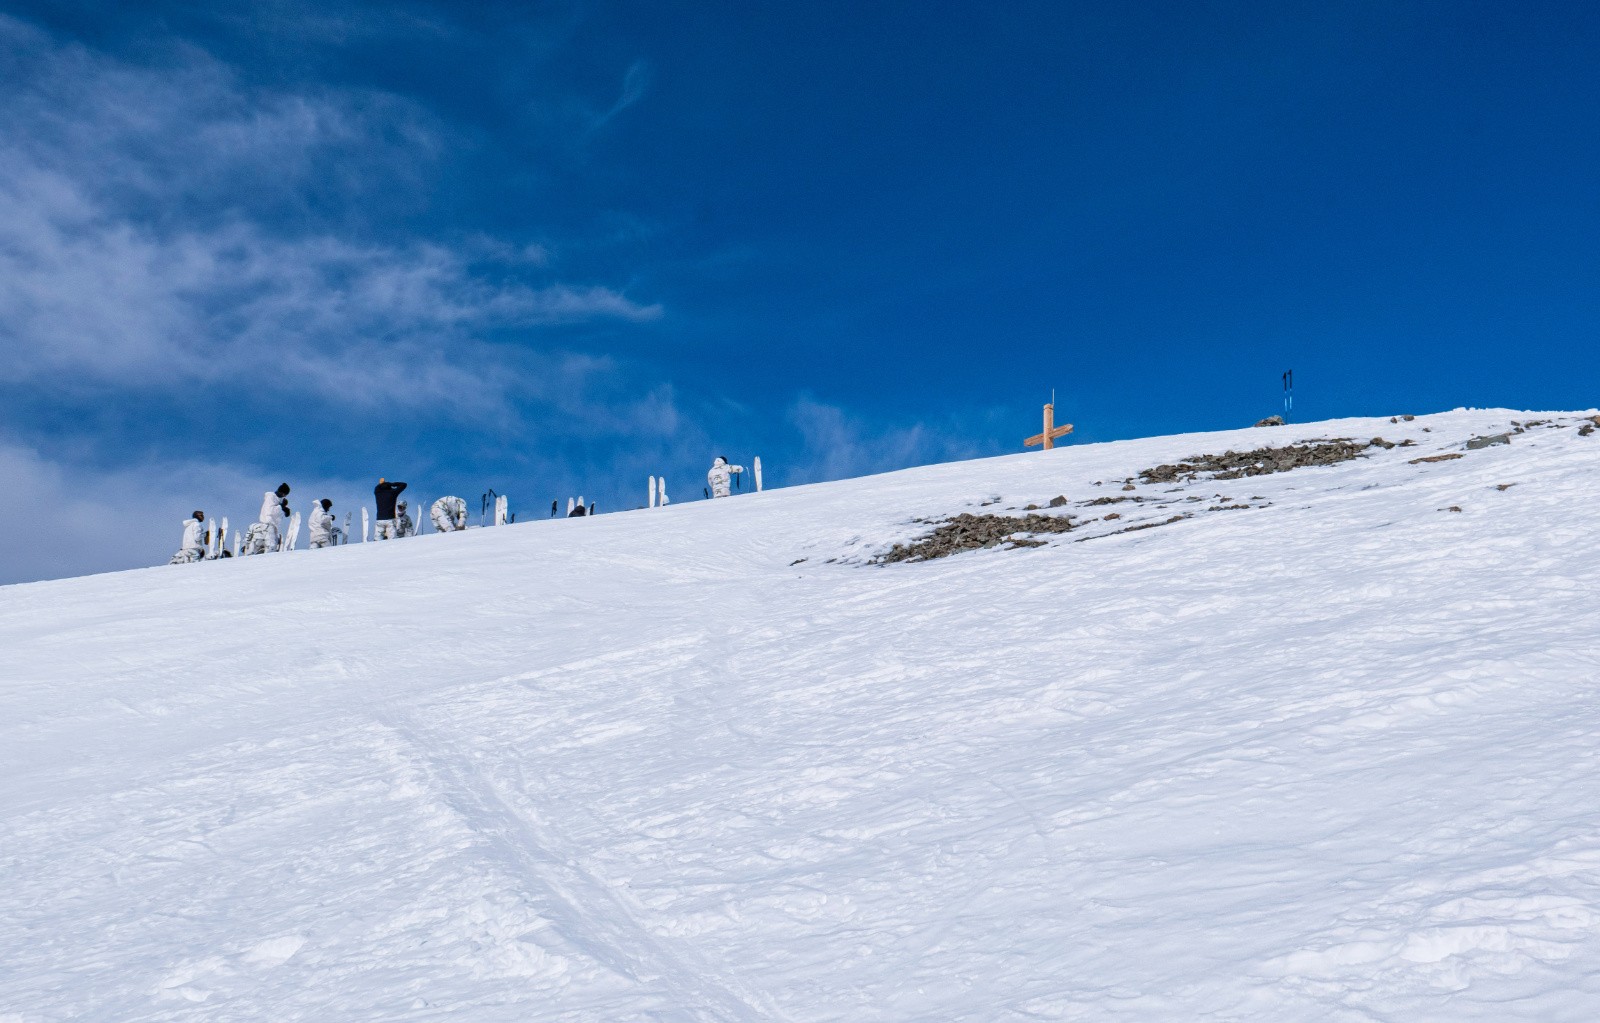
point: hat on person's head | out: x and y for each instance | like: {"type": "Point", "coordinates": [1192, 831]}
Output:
{"type": "Point", "coordinates": [283, 490]}
{"type": "Point", "coordinates": [327, 504]}
{"type": "Point", "coordinates": [199, 514]}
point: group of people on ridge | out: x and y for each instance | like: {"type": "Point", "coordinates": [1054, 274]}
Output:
{"type": "Point", "coordinates": [448, 514]}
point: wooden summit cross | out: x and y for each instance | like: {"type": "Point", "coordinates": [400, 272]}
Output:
{"type": "Point", "coordinates": [1051, 430]}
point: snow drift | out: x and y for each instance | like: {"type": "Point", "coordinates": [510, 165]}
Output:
{"type": "Point", "coordinates": [1317, 744]}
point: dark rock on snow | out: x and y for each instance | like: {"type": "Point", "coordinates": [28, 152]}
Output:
{"type": "Point", "coordinates": [1232, 465]}
{"type": "Point", "coordinates": [968, 532]}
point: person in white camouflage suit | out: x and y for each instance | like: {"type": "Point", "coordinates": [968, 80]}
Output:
{"type": "Point", "coordinates": [325, 531]}
{"type": "Point", "coordinates": [403, 525]}
{"type": "Point", "coordinates": [449, 514]}
{"type": "Point", "coordinates": [195, 539]}
{"type": "Point", "coordinates": [265, 533]}
{"type": "Point", "coordinates": [721, 475]}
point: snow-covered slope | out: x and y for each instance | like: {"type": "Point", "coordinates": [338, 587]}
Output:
{"type": "Point", "coordinates": [1332, 756]}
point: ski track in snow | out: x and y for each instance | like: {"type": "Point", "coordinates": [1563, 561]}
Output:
{"type": "Point", "coordinates": [1329, 757]}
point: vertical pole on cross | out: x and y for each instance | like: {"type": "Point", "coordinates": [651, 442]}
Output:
{"type": "Point", "coordinates": [1052, 432]}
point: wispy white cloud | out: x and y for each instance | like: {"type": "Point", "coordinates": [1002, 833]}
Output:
{"type": "Point", "coordinates": [837, 445]}
{"type": "Point", "coordinates": [103, 519]}
{"type": "Point", "coordinates": [635, 84]}
{"type": "Point", "coordinates": [132, 249]}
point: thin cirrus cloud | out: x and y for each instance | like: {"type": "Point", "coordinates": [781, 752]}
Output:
{"type": "Point", "coordinates": [635, 84]}
{"type": "Point", "coordinates": [143, 239]}
{"type": "Point", "coordinates": [837, 445]}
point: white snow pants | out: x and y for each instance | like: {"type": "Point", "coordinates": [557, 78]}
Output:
{"type": "Point", "coordinates": [385, 529]}
{"type": "Point", "coordinates": [260, 538]}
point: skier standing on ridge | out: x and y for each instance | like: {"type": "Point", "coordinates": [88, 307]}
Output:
{"type": "Point", "coordinates": [325, 531]}
{"type": "Point", "coordinates": [720, 475]}
{"type": "Point", "coordinates": [385, 493]}
{"type": "Point", "coordinates": [264, 535]}
{"type": "Point", "coordinates": [194, 543]}
{"type": "Point", "coordinates": [449, 514]}
{"type": "Point", "coordinates": [402, 522]}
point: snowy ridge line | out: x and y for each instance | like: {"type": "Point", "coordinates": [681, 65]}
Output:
{"type": "Point", "coordinates": [1175, 505]}
{"type": "Point", "coordinates": [594, 915]}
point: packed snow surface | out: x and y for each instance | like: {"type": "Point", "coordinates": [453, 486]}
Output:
{"type": "Point", "coordinates": [1323, 748]}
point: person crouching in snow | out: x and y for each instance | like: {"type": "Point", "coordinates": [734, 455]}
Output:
{"type": "Point", "coordinates": [194, 541]}
{"type": "Point", "coordinates": [385, 494]}
{"type": "Point", "coordinates": [264, 534]}
{"type": "Point", "coordinates": [325, 531]}
{"type": "Point", "coordinates": [449, 514]}
{"type": "Point", "coordinates": [720, 475]}
{"type": "Point", "coordinates": [403, 525]}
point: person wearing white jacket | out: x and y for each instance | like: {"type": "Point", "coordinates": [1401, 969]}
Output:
{"type": "Point", "coordinates": [263, 536]}
{"type": "Point", "coordinates": [193, 547]}
{"type": "Point", "coordinates": [403, 525]}
{"type": "Point", "coordinates": [720, 475]}
{"type": "Point", "coordinates": [449, 514]}
{"type": "Point", "coordinates": [324, 525]}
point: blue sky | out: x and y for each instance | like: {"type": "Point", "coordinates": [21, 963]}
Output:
{"type": "Point", "coordinates": [555, 248]}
